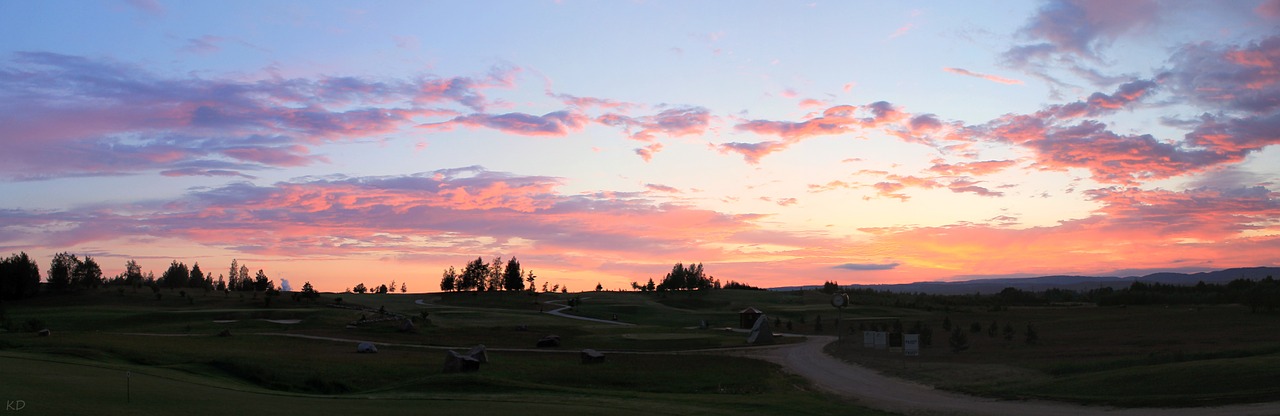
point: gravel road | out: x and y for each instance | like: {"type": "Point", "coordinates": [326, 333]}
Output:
{"type": "Point", "coordinates": [874, 390]}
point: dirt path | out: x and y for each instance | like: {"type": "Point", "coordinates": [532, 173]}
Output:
{"type": "Point", "coordinates": [874, 390]}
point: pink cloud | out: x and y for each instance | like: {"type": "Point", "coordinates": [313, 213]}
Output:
{"type": "Point", "coordinates": [902, 30]}
{"type": "Point", "coordinates": [1269, 9]}
{"type": "Point", "coordinates": [672, 122]}
{"type": "Point", "coordinates": [812, 103]}
{"type": "Point", "coordinates": [988, 77]}
{"type": "Point", "coordinates": [1242, 78]}
{"type": "Point", "coordinates": [835, 120]}
{"type": "Point", "coordinates": [154, 123]}
{"type": "Point", "coordinates": [831, 186]}
{"type": "Point", "coordinates": [752, 152]}
{"type": "Point", "coordinates": [986, 167]}
{"type": "Point", "coordinates": [661, 188]}
{"type": "Point", "coordinates": [593, 102]}
{"type": "Point", "coordinates": [461, 212]}
{"type": "Point", "coordinates": [558, 123]}
{"type": "Point", "coordinates": [647, 152]}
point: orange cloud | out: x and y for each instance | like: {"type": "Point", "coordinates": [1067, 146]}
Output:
{"type": "Point", "coordinates": [986, 167]}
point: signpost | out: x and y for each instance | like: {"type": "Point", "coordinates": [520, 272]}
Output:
{"type": "Point", "coordinates": [840, 301]}
{"type": "Point", "coordinates": [911, 345]}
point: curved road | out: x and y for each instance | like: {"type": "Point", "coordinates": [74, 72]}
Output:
{"type": "Point", "coordinates": [558, 312]}
{"type": "Point", "coordinates": [875, 390]}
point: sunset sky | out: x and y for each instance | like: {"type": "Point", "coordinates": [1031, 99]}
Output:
{"type": "Point", "coordinates": [777, 143]}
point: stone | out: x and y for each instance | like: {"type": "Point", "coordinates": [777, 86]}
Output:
{"type": "Point", "coordinates": [407, 326]}
{"type": "Point", "coordinates": [479, 354]}
{"type": "Point", "coordinates": [761, 332]}
{"type": "Point", "coordinates": [549, 341]}
{"type": "Point", "coordinates": [44, 332]}
{"type": "Point", "coordinates": [459, 363]}
{"type": "Point", "coordinates": [590, 356]}
{"type": "Point", "coordinates": [367, 348]}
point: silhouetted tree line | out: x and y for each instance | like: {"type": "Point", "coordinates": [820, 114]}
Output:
{"type": "Point", "coordinates": [20, 276]}
{"type": "Point", "coordinates": [739, 286]}
{"type": "Point", "coordinates": [1259, 295]}
{"type": "Point", "coordinates": [493, 276]}
{"type": "Point", "coordinates": [689, 277]}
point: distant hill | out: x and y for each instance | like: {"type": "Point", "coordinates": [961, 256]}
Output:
{"type": "Point", "coordinates": [1081, 283]}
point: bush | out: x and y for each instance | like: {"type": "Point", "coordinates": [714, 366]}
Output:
{"type": "Point", "coordinates": [33, 325]}
{"type": "Point", "coordinates": [958, 341]}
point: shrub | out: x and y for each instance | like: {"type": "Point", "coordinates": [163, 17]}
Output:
{"type": "Point", "coordinates": [958, 341]}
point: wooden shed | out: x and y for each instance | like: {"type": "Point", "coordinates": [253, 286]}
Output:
{"type": "Point", "coordinates": [748, 317]}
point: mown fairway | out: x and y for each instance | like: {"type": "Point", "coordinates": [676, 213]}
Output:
{"type": "Point", "coordinates": [178, 364]}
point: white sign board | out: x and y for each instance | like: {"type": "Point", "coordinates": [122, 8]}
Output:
{"type": "Point", "coordinates": [868, 339]}
{"type": "Point", "coordinates": [911, 344]}
{"type": "Point", "coordinates": [882, 340]}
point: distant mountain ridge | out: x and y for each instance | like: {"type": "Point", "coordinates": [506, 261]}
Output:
{"type": "Point", "coordinates": [1080, 283]}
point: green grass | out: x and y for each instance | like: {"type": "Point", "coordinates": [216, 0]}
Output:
{"type": "Point", "coordinates": [56, 386]}
{"type": "Point", "coordinates": [98, 336]}
{"type": "Point", "coordinates": [1134, 356]}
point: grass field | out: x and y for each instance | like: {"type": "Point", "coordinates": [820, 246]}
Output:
{"type": "Point", "coordinates": [1122, 356]}
{"type": "Point", "coordinates": [1134, 356]}
{"type": "Point", "coordinates": [178, 364]}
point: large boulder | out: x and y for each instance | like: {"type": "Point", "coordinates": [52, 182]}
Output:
{"type": "Point", "coordinates": [590, 356]}
{"type": "Point", "coordinates": [761, 332]}
{"type": "Point", "coordinates": [479, 354]}
{"type": "Point", "coordinates": [366, 348]}
{"type": "Point", "coordinates": [407, 326]}
{"type": "Point", "coordinates": [549, 341]}
{"type": "Point", "coordinates": [460, 363]}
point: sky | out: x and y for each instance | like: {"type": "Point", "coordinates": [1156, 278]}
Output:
{"type": "Point", "coordinates": [776, 143]}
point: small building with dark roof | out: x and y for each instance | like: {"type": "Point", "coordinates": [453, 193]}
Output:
{"type": "Point", "coordinates": [748, 317]}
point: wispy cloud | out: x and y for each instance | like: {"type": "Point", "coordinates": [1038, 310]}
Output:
{"type": "Point", "coordinates": [988, 77]}
{"type": "Point", "coordinates": [867, 266]}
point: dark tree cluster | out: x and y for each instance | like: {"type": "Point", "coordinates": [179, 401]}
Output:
{"type": "Point", "coordinates": [239, 279]}
{"type": "Point", "coordinates": [19, 277]}
{"type": "Point", "coordinates": [68, 272]}
{"type": "Point", "coordinates": [494, 276]}
{"type": "Point", "coordinates": [739, 286]}
{"type": "Point", "coordinates": [689, 277]}
{"type": "Point", "coordinates": [647, 287]}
